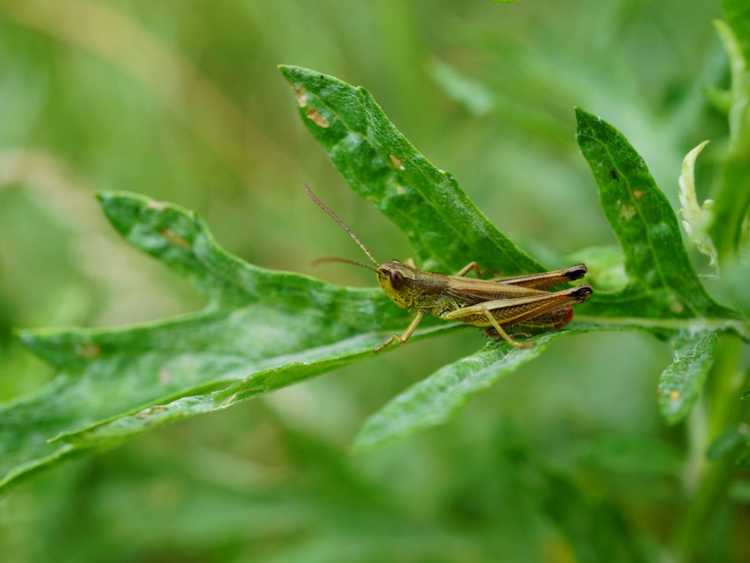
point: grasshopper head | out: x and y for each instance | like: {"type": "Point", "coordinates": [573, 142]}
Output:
{"type": "Point", "coordinates": [397, 279]}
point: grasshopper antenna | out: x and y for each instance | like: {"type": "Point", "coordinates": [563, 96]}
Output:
{"type": "Point", "coordinates": [325, 259]}
{"type": "Point", "coordinates": [328, 211]}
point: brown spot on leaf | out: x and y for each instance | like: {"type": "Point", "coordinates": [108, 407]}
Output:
{"type": "Point", "coordinates": [174, 238]}
{"type": "Point", "coordinates": [317, 118]}
{"type": "Point", "coordinates": [676, 307]}
{"type": "Point", "coordinates": [396, 162]}
{"type": "Point", "coordinates": [301, 96]}
{"type": "Point", "coordinates": [627, 212]}
{"type": "Point", "coordinates": [155, 205]}
{"type": "Point", "coordinates": [674, 395]}
{"type": "Point", "coordinates": [150, 411]}
{"type": "Point", "coordinates": [637, 194]}
{"type": "Point", "coordinates": [89, 350]}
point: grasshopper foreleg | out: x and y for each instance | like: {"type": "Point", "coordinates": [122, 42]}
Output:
{"type": "Point", "coordinates": [468, 268]}
{"type": "Point", "coordinates": [402, 338]}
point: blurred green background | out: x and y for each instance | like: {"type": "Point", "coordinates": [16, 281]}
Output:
{"type": "Point", "coordinates": [182, 101]}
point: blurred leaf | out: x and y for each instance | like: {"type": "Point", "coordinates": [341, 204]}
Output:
{"type": "Point", "coordinates": [740, 492]}
{"type": "Point", "coordinates": [737, 13]}
{"type": "Point", "coordinates": [606, 266]}
{"type": "Point", "coordinates": [597, 529]}
{"type": "Point", "coordinates": [444, 226]}
{"type": "Point", "coordinates": [474, 96]}
{"type": "Point", "coordinates": [681, 383]}
{"type": "Point", "coordinates": [720, 99]}
{"type": "Point", "coordinates": [729, 441]}
{"type": "Point", "coordinates": [435, 399]}
{"type": "Point", "coordinates": [732, 199]}
{"type": "Point", "coordinates": [733, 280]}
{"type": "Point", "coordinates": [631, 455]}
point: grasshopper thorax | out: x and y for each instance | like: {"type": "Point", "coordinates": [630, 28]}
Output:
{"type": "Point", "coordinates": [397, 280]}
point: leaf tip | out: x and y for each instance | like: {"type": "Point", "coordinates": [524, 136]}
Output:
{"type": "Point", "coordinates": [103, 196]}
{"type": "Point", "coordinates": [294, 73]}
{"type": "Point", "coordinates": [110, 199]}
{"type": "Point", "coordinates": [286, 70]}
{"type": "Point", "coordinates": [583, 117]}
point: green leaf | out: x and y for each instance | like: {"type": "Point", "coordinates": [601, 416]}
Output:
{"type": "Point", "coordinates": [732, 200]}
{"type": "Point", "coordinates": [262, 330]}
{"type": "Point", "coordinates": [380, 164]}
{"type": "Point", "coordinates": [434, 400]}
{"type": "Point", "coordinates": [737, 14]}
{"type": "Point", "coordinates": [728, 442]}
{"type": "Point", "coordinates": [606, 267]}
{"type": "Point", "coordinates": [734, 283]}
{"type": "Point", "coordinates": [630, 455]}
{"type": "Point", "coordinates": [681, 383]}
{"type": "Point", "coordinates": [596, 528]}
{"type": "Point", "coordinates": [661, 281]}
{"type": "Point", "coordinates": [740, 492]}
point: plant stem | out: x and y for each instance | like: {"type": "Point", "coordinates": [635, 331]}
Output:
{"type": "Point", "coordinates": [725, 410]}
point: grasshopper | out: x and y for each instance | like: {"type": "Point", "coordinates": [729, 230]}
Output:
{"type": "Point", "coordinates": [521, 303]}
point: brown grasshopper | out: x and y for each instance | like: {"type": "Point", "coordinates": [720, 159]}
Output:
{"type": "Point", "coordinates": [519, 302]}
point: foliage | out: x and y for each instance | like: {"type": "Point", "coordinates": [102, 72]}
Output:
{"type": "Point", "coordinates": [258, 330]}
{"type": "Point", "coordinates": [263, 330]}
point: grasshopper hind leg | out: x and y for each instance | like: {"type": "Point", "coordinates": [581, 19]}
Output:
{"type": "Point", "coordinates": [500, 332]}
{"type": "Point", "coordinates": [554, 320]}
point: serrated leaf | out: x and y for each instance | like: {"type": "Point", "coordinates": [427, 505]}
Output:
{"type": "Point", "coordinates": [262, 330]}
{"type": "Point", "coordinates": [681, 383]}
{"type": "Point", "coordinates": [435, 399]}
{"type": "Point", "coordinates": [661, 281]}
{"type": "Point", "coordinates": [380, 164]}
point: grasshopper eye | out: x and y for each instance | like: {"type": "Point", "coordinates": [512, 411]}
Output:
{"type": "Point", "coordinates": [397, 279]}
